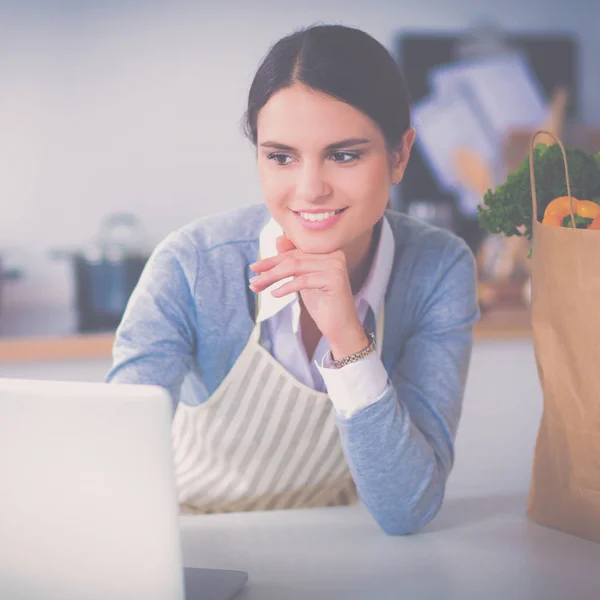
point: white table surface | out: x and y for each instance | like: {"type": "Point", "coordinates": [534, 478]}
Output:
{"type": "Point", "coordinates": [480, 546]}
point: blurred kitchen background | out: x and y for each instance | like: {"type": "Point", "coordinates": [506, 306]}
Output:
{"type": "Point", "coordinates": [121, 121]}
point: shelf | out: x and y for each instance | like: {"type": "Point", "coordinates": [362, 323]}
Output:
{"type": "Point", "coordinates": [65, 348]}
{"type": "Point", "coordinates": [505, 324]}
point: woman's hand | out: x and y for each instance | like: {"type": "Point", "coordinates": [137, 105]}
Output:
{"type": "Point", "coordinates": [324, 286]}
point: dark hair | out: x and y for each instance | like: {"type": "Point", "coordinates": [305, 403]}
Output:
{"type": "Point", "coordinates": [340, 61]}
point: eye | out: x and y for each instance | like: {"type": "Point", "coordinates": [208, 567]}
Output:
{"type": "Point", "coordinates": [339, 157]}
{"type": "Point", "coordinates": [277, 157]}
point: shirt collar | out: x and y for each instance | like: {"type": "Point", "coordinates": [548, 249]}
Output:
{"type": "Point", "coordinates": [268, 304]}
{"type": "Point", "coordinates": [372, 291]}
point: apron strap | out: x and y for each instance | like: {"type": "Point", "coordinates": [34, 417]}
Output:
{"type": "Point", "coordinates": [255, 335]}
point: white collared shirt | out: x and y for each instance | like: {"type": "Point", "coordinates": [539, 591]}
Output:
{"type": "Point", "coordinates": [356, 385]}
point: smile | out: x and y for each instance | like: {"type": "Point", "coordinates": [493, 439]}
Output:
{"type": "Point", "coordinates": [319, 220]}
{"type": "Point", "coordinates": [319, 216]}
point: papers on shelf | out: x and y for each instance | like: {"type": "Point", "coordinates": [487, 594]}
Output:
{"type": "Point", "coordinates": [473, 105]}
{"type": "Point", "coordinates": [503, 89]}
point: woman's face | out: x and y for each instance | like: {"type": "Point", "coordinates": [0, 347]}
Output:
{"type": "Point", "coordinates": [324, 169]}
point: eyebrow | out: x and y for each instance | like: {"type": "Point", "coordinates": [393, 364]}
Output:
{"type": "Point", "coordinates": [335, 146]}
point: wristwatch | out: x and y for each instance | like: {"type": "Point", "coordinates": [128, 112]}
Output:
{"type": "Point", "coordinates": [346, 360]}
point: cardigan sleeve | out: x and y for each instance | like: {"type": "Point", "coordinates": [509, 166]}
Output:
{"type": "Point", "coordinates": [156, 338]}
{"type": "Point", "coordinates": [400, 449]}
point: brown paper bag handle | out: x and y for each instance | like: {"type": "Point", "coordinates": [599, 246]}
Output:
{"type": "Point", "coordinates": [532, 174]}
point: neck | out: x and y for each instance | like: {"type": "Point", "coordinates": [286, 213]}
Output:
{"type": "Point", "coordinates": [359, 258]}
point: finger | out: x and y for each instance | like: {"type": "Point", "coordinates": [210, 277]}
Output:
{"type": "Point", "coordinates": [292, 267]}
{"type": "Point", "coordinates": [268, 263]}
{"type": "Point", "coordinates": [284, 244]}
{"type": "Point", "coordinates": [310, 281]}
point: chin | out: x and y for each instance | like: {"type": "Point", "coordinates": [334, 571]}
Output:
{"type": "Point", "coordinates": [316, 243]}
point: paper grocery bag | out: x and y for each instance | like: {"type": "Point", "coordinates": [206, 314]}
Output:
{"type": "Point", "coordinates": [565, 278]}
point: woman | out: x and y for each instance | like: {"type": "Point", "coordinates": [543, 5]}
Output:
{"type": "Point", "coordinates": [326, 341]}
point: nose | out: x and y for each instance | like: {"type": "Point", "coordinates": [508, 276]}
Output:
{"type": "Point", "coordinates": [312, 184]}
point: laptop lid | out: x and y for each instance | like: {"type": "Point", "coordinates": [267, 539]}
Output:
{"type": "Point", "coordinates": [88, 506]}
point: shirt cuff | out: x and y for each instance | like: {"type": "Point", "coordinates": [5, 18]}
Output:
{"type": "Point", "coordinates": [356, 385]}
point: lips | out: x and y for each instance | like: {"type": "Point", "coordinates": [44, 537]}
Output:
{"type": "Point", "coordinates": [319, 210]}
{"type": "Point", "coordinates": [319, 220]}
{"type": "Point", "coordinates": [315, 216]}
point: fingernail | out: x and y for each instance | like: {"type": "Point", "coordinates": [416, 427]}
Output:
{"type": "Point", "coordinates": [254, 279]}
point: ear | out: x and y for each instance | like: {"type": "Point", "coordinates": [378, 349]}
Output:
{"type": "Point", "coordinates": [402, 155]}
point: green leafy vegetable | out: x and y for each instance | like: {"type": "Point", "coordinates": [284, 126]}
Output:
{"type": "Point", "coordinates": [508, 208]}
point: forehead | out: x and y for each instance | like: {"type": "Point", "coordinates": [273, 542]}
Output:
{"type": "Point", "coordinates": [298, 115]}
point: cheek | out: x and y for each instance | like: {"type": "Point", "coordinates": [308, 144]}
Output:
{"type": "Point", "coordinates": [372, 188]}
{"type": "Point", "coordinates": [272, 188]}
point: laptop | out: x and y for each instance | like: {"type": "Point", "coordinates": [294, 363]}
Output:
{"type": "Point", "coordinates": [88, 504]}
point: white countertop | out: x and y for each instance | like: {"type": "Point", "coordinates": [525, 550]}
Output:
{"type": "Point", "coordinates": [477, 548]}
{"type": "Point", "coordinates": [480, 546]}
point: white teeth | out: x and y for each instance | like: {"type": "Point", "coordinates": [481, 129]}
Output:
{"type": "Point", "coordinates": [317, 216]}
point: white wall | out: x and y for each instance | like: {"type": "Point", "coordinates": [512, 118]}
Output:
{"type": "Point", "coordinates": [137, 106]}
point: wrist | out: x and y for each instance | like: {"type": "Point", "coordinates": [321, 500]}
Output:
{"type": "Point", "coordinates": [353, 340]}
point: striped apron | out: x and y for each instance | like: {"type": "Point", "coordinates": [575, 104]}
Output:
{"type": "Point", "coordinates": [262, 441]}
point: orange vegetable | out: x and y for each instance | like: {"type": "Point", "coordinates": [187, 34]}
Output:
{"type": "Point", "coordinates": [558, 209]}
